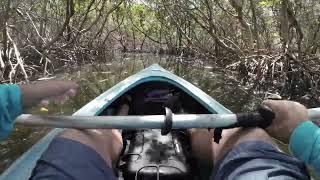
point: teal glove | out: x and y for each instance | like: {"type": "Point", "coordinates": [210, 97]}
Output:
{"type": "Point", "coordinates": [10, 108]}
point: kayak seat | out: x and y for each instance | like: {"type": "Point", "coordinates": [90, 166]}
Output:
{"type": "Point", "coordinates": [149, 155]}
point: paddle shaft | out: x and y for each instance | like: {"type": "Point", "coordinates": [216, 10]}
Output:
{"type": "Point", "coordinates": [146, 122]}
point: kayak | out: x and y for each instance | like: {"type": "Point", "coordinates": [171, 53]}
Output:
{"type": "Point", "coordinates": [147, 153]}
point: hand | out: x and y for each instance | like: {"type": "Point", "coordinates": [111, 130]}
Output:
{"type": "Point", "coordinates": [44, 91]}
{"type": "Point", "coordinates": [288, 115]}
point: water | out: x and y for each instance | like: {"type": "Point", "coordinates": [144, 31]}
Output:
{"type": "Point", "coordinates": [95, 79]}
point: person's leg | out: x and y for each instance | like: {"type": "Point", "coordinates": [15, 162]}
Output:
{"type": "Point", "coordinates": [202, 149]}
{"type": "Point", "coordinates": [250, 153]}
{"type": "Point", "coordinates": [232, 137]}
{"type": "Point", "coordinates": [207, 152]}
{"type": "Point", "coordinates": [202, 145]}
{"type": "Point", "coordinates": [81, 154]}
{"type": "Point", "coordinates": [106, 142]}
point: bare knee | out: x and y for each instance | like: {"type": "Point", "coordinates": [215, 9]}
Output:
{"type": "Point", "coordinates": [106, 142]}
{"type": "Point", "coordinates": [233, 137]}
{"type": "Point", "coordinates": [251, 134]}
{"type": "Point", "coordinates": [201, 143]}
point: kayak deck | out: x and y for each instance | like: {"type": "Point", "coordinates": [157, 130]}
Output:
{"type": "Point", "coordinates": [196, 101]}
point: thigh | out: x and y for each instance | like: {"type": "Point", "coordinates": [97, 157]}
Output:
{"type": "Point", "coordinates": [258, 160]}
{"type": "Point", "coordinates": [67, 159]}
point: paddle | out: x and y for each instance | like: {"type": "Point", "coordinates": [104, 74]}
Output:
{"type": "Point", "coordinates": [172, 121]}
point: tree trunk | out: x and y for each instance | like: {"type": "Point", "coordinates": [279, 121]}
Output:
{"type": "Point", "coordinates": [284, 24]}
{"type": "Point", "coordinates": [44, 20]}
{"type": "Point", "coordinates": [237, 5]}
{"type": "Point", "coordinates": [3, 25]}
{"type": "Point", "coordinates": [255, 24]}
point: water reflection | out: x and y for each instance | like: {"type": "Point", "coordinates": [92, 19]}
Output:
{"type": "Point", "coordinates": [95, 79]}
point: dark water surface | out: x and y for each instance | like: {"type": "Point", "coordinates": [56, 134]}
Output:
{"type": "Point", "coordinates": [95, 79]}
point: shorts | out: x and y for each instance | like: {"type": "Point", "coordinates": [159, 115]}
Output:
{"type": "Point", "coordinates": [66, 159]}
{"type": "Point", "coordinates": [259, 160]}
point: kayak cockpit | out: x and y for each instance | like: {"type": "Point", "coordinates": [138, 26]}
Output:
{"type": "Point", "coordinates": [147, 154]}
{"type": "Point", "coordinates": [151, 98]}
